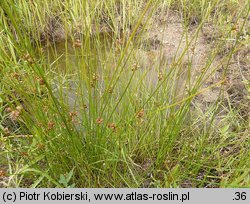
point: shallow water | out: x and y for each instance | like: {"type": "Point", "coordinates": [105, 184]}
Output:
{"type": "Point", "coordinates": [75, 67]}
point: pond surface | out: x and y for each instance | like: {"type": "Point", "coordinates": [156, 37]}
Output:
{"type": "Point", "coordinates": [86, 70]}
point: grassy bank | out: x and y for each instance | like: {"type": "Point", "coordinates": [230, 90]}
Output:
{"type": "Point", "coordinates": [124, 93]}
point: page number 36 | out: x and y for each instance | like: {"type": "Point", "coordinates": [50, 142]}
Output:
{"type": "Point", "coordinates": [240, 196]}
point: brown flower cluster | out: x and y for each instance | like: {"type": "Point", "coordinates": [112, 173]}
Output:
{"type": "Point", "coordinates": [160, 76]}
{"type": "Point", "coordinates": [73, 116]}
{"type": "Point", "coordinates": [6, 131]}
{"type": "Point", "coordinates": [140, 113]}
{"type": "Point", "coordinates": [77, 43]}
{"type": "Point", "coordinates": [41, 81]}
{"type": "Point", "coordinates": [2, 173]}
{"type": "Point", "coordinates": [40, 146]}
{"type": "Point", "coordinates": [51, 125]}
{"type": "Point", "coordinates": [135, 67]}
{"type": "Point", "coordinates": [99, 121]}
{"type": "Point", "coordinates": [112, 126]}
{"type": "Point", "coordinates": [28, 58]}
{"type": "Point", "coordinates": [24, 154]}
{"type": "Point", "coordinates": [16, 75]}
{"type": "Point", "coordinates": [119, 41]}
{"type": "Point", "coordinates": [110, 89]}
{"type": "Point", "coordinates": [14, 114]}
{"type": "Point", "coordinates": [95, 78]}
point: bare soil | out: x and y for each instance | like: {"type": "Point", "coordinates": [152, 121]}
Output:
{"type": "Point", "coordinates": [167, 39]}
